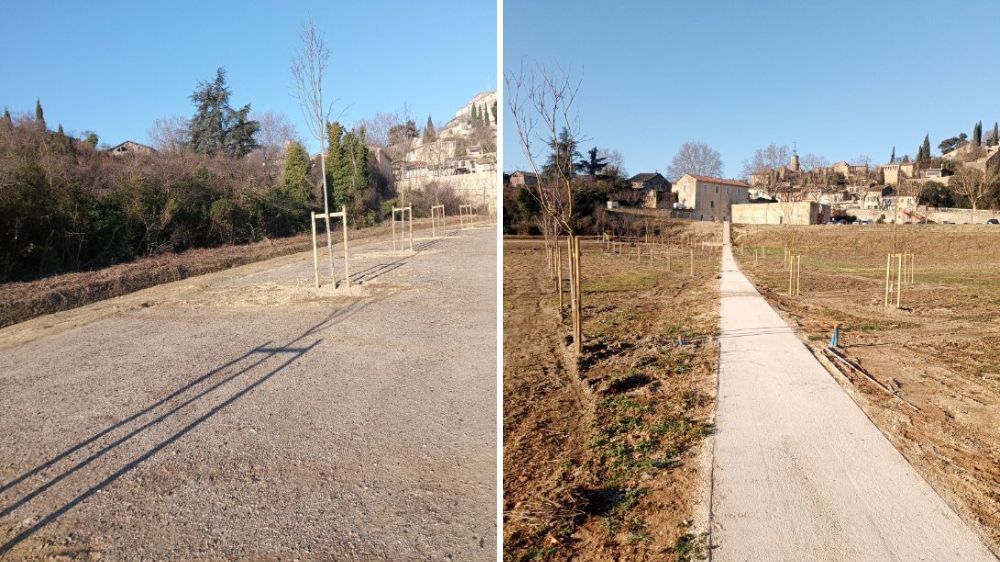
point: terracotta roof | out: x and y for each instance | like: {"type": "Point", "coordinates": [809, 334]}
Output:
{"type": "Point", "coordinates": [720, 181]}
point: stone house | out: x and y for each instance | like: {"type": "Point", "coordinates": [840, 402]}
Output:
{"type": "Point", "coordinates": [523, 179]}
{"type": "Point", "coordinates": [707, 198]}
{"type": "Point", "coordinates": [130, 148]}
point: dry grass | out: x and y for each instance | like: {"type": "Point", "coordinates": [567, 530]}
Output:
{"type": "Point", "coordinates": [22, 301]}
{"type": "Point", "coordinates": [938, 350]}
{"type": "Point", "coordinates": [600, 453]}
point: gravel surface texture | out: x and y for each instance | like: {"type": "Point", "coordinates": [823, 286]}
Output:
{"type": "Point", "coordinates": [247, 415]}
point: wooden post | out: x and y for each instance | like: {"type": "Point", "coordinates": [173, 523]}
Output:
{"type": "Point", "coordinates": [393, 229]}
{"type": "Point", "coordinates": [559, 283]}
{"type": "Point", "coordinates": [571, 274]}
{"type": "Point", "coordinates": [409, 214]}
{"type": "Point", "coordinates": [579, 294]}
{"type": "Point", "coordinates": [888, 265]}
{"type": "Point", "coordinates": [315, 250]}
{"type": "Point", "coordinates": [669, 268]}
{"type": "Point", "coordinates": [899, 279]}
{"type": "Point", "coordinates": [798, 275]}
{"type": "Point", "coordinates": [791, 270]}
{"type": "Point", "coordinates": [692, 261]}
{"type": "Point", "coordinates": [347, 256]}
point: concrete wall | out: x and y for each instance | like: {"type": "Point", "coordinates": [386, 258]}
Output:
{"type": "Point", "coordinates": [957, 216]}
{"type": "Point", "coordinates": [803, 212]}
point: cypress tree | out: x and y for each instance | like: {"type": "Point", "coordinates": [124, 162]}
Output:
{"type": "Point", "coordinates": [926, 147]}
{"type": "Point", "coordinates": [475, 113]}
{"type": "Point", "coordinates": [39, 114]}
{"type": "Point", "coordinates": [977, 134]}
{"type": "Point", "coordinates": [996, 133]}
{"type": "Point", "coordinates": [430, 135]}
{"type": "Point", "coordinates": [336, 174]}
{"type": "Point", "coordinates": [892, 159]}
{"type": "Point", "coordinates": [7, 122]}
{"type": "Point", "coordinates": [295, 179]}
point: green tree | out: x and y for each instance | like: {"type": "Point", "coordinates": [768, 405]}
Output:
{"type": "Point", "coordinates": [39, 114]}
{"type": "Point", "coordinates": [926, 147]}
{"type": "Point", "coordinates": [892, 159]}
{"type": "Point", "coordinates": [977, 133]}
{"type": "Point", "coordinates": [430, 135]}
{"type": "Point", "coordinates": [995, 136]}
{"type": "Point", "coordinates": [295, 179]}
{"type": "Point", "coordinates": [91, 140]}
{"type": "Point", "coordinates": [216, 127]}
{"type": "Point", "coordinates": [337, 177]}
{"type": "Point", "coordinates": [563, 156]}
{"type": "Point", "coordinates": [593, 164]}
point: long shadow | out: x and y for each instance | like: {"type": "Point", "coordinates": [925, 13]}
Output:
{"type": "Point", "coordinates": [425, 245]}
{"type": "Point", "coordinates": [374, 271]}
{"type": "Point", "coordinates": [333, 318]}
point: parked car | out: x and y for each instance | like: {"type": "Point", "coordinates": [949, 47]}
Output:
{"type": "Point", "coordinates": [992, 221]}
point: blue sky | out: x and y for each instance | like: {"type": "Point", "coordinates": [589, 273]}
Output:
{"type": "Point", "coordinates": [837, 79]}
{"type": "Point", "coordinates": [113, 67]}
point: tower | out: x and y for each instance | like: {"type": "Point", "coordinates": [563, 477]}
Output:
{"type": "Point", "coordinates": [795, 162]}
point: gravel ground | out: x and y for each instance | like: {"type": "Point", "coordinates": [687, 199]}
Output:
{"type": "Point", "coordinates": [245, 414]}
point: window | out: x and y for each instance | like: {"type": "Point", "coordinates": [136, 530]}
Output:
{"type": "Point", "coordinates": [711, 204]}
{"type": "Point", "coordinates": [716, 189]}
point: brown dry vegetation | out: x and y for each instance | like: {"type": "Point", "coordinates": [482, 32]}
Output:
{"type": "Point", "coordinates": [938, 351]}
{"type": "Point", "coordinates": [604, 457]}
{"type": "Point", "coordinates": [20, 301]}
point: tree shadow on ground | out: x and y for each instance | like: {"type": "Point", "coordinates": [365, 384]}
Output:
{"type": "Point", "coordinates": [260, 355]}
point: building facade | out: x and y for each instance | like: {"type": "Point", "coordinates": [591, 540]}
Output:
{"type": "Point", "coordinates": [707, 198]}
{"type": "Point", "coordinates": [800, 213]}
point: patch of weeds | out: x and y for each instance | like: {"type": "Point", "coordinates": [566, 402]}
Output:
{"type": "Point", "coordinates": [691, 547]}
{"type": "Point", "coordinates": [630, 380]}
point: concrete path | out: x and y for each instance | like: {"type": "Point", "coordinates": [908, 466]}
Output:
{"type": "Point", "coordinates": [799, 472]}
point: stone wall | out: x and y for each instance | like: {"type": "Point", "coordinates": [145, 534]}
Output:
{"type": "Point", "coordinates": [477, 188]}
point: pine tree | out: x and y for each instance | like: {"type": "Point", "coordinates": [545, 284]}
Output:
{"type": "Point", "coordinates": [39, 114]}
{"type": "Point", "coordinates": [91, 140]}
{"type": "Point", "coordinates": [295, 180]}
{"type": "Point", "coordinates": [217, 127]}
{"type": "Point", "coordinates": [430, 135]}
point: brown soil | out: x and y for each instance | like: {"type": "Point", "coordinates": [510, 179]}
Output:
{"type": "Point", "coordinates": [605, 456]}
{"type": "Point", "coordinates": [937, 352]}
{"type": "Point", "coordinates": [22, 301]}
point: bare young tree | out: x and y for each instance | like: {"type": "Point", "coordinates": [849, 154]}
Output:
{"type": "Point", "coordinates": [169, 134]}
{"type": "Point", "coordinates": [695, 157]}
{"type": "Point", "coordinates": [276, 131]}
{"type": "Point", "coordinates": [377, 127]}
{"type": "Point", "coordinates": [541, 106]}
{"type": "Point", "coordinates": [615, 161]}
{"type": "Point", "coordinates": [308, 67]}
